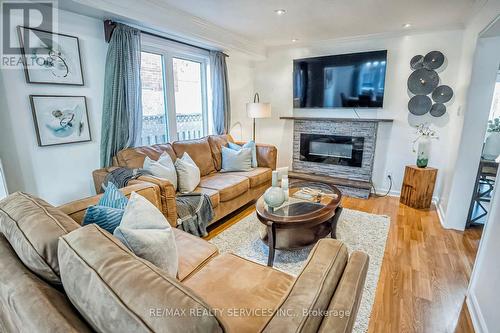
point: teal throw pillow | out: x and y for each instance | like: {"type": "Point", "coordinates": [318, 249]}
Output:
{"type": "Point", "coordinates": [236, 160]}
{"type": "Point", "coordinates": [108, 212]}
{"type": "Point", "coordinates": [113, 197]}
{"type": "Point", "coordinates": [250, 144]}
{"type": "Point", "coordinates": [105, 217]}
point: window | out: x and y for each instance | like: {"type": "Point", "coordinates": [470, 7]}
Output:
{"type": "Point", "coordinates": [154, 117]}
{"type": "Point", "coordinates": [174, 91]}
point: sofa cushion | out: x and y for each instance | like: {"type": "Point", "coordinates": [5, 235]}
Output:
{"type": "Point", "coordinates": [116, 291]}
{"type": "Point", "coordinates": [229, 282]}
{"type": "Point", "coordinates": [29, 304]}
{"type": "Point", "coordinates": [216, 143]}
{"type": "Point", "coordinates": [32, 228]}
{"type": "Point", "coordinates": [257, 176]}
{"type": "Point", "coordinates": [195, 253]}
{"type": "Point", "coordinates": [200, 152]}
{"type": "Point", "coordinates": [213, 194]}
{"type": "Point", "coordinates": [134, 157]}
{"type": "Point", "coordinates": [229, 186]}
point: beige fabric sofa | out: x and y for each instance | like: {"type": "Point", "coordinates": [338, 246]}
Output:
{"type": "Point", "coordinates": [228, 191]}
{"type": "Point", "coordinates": [106, 288]}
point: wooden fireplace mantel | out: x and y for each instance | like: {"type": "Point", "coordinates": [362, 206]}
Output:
{"type": "Point", "coordinates": [371, 120]}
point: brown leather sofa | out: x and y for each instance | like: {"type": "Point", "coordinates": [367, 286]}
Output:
{"type": "Point", "coordinates": [106, 288]}
{"type": "Point", "coordinates": [228, 191]}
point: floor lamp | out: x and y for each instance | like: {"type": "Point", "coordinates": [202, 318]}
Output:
{"type": "Point", "coordinates": [258, 110]}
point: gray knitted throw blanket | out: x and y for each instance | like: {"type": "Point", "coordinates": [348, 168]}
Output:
{"type": "Point", "coordinates": [121, 176]}
{"type": "Point", "coordinates": [194, 211]}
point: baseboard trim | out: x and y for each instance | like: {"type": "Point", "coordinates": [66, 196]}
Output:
{"type": "Point", "coordinates": [440, 212]}
{"type": "Point", "coordinates": [475, 314]}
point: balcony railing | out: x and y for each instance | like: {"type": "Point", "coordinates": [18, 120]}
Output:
{"type": "Point", "coordinates": [154, 128]}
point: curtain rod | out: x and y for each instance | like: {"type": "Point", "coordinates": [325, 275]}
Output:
{"type": "Point", "coordinates": [109, 26]}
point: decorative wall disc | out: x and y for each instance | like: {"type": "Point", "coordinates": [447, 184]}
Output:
{"type": "Point", "coordinates": [433, 60]}
{"type": "Point", "coordinates": [417, 62]}
{"type": "Point", "coordinates": [419, 105]}
{"type": "Point", "coordinates": [438, 109]}
{"type": "Point", "coordinates": [423, 81]}
{"type": "Point", "coordinates": [442, 94]}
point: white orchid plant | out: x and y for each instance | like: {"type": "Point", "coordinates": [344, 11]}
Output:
{"type": "Point", "coordinates": [424, 130]}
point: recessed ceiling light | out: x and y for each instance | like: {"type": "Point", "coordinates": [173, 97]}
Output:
{"type": "Point", "coordinates": [406, 25]}
{"type": "Point", "coordinates": [294, 40]}
{"type": "Point", "coordinates": [280, 12]}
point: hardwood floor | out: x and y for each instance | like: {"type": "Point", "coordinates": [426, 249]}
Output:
{"type": "Point", "coordinates": [425, 271]}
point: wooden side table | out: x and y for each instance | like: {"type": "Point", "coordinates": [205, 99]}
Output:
{"type": "Point", "coordinates": [418, 187]}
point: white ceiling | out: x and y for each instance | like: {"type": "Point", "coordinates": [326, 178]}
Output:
{"type": "Point", "coordinates": [312, 20]}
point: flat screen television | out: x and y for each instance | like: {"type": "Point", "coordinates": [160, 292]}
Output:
{"type": "Point", "coordinates": [353, 80]}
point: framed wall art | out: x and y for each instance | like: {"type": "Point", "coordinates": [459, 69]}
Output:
{"type": "Point", "coordinates": [50, 58]}
{"type": "Point", "coordinates": [60, 119]}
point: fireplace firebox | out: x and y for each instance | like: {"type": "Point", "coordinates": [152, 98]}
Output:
{"type": "Point", "coordinates": [332, 149]}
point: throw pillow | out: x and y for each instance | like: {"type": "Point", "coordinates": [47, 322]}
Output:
{"type": "Point", "coordinates": [113, 197]}
{"type": "Point", "coordinates": [107, 218]}
{"type": "Point", "coordinates": [146, 232]}
{"type": "Point", "coordinates": [188, 174]}
{"type": "Point", "coordinates": [163, 168]}
{"type": "Point", "coordinates": [109, 210]}
{"type": "Point", "coordinates": [250, 144]}
{"type": "Point", "coordinates": [236, 160]}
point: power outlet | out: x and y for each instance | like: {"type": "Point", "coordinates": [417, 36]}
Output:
{"type": "Point", "coordinates": [388, 175]}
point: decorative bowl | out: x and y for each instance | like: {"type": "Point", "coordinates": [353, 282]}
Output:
{"type": "Point", "coordinates": [274, 197]}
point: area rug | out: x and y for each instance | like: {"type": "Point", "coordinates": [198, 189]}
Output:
{"type": "Point", "coordinates": [358, 230]}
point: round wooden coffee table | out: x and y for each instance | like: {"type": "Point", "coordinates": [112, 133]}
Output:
{"type": "Point", "coordinates": [311, 213]}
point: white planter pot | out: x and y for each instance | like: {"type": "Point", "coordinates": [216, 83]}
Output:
{"type": "Point", "coordinates": [491, 149]}
{"type": "Point", "coordinates": [423, 152]}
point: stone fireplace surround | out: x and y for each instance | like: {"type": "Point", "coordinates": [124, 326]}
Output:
{"type": "Point", "coordinates": [351, 180]}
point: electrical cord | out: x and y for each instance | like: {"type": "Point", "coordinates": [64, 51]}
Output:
{"type": "Point", "coordinates": [388, 191]}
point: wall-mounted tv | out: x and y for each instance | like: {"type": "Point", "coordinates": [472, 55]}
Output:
{"type": "Point", "coordinates": [353, 80]}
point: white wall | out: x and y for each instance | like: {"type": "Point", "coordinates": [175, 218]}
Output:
{"type": "Point", "coordinates": [459, 185]}
{"type": "Point", "coordinates": [241, 86]}
{"type": "Point", "coordinates": [57, 174]}
{"type": "Point", "coordinates": [479, 97]}
{"type": "Point", "coordinates": [273, 80]}
{"type": "Point", "coordinates": [483, 296]}
{"type": "Point", "coordinates": [60, 174]}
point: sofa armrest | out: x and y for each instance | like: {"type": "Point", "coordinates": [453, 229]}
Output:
{"type": "Point", "coordinates": [345, 302]}
{"type": "Point", "coordinates": [167, 193]}
{"type": "Point", "coordinates": [304, 308]}
{"type": "Point", "coordinates": [267, 155]}
{"type": "Point", "coordinates": [76, 209]}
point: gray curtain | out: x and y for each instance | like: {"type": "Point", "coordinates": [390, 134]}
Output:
{"type": "Point", "coordinates": [220, 93]}
{"type": "Point", "coordinates": [122, 107]}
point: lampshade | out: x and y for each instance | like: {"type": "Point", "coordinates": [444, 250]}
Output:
{"type": "Point", "coordinates": [259, 110]}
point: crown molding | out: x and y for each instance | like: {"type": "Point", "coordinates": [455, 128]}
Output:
{"type": "Point", "coordinates": [381, 35]}
{"type": "Point", "coordinates": [163, 19]}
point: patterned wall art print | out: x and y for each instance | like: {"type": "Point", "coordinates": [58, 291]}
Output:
{"type": "Point", "coordinates": [60, 119]}
{"type": "Point", "coordinates": [50, 58]}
